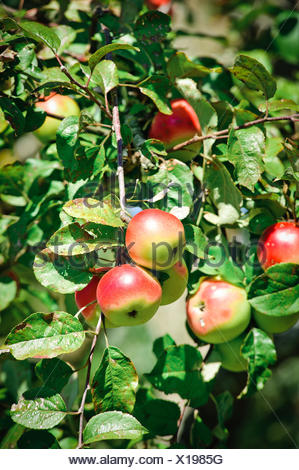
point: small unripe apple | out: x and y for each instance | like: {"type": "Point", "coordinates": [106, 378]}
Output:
{"type": "Point", "coordinates": [155, 239]}
{"type": "Point", "coordinates": [60, 105]}
{"type": "Point", "coordinates": [174, 286]}
{"type": "Point", "coordinates": [279, 244]}
{"type": "Point", "coordinates": [7, 157]}
{"type": "Point", "coordinates": [218, 311]}
{"type": "Point", "coordinates": [89, 294]}
{"type": "Point", "coordinates": [162, 5]}
{"type": "Point", "coordinates": [3, 124]}
{"type": "Point", "coordinates": [175, 128]}
{"type": "Point", "coordinates": [273, 324]}
{"type": "Point", "coordinates": [231, 356]}
{"type": "Point", "coordinates": [128, 295]}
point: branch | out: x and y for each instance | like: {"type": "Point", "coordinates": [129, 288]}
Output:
{"type": "Point", "coordinates": [87, 384]}
{"type": "Point", "coordinates": [224, 133]}
{"type": "Point", "coordinates": [88, 128]}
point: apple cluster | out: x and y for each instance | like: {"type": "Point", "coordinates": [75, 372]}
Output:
{"type": "Point", "coordinates": [130, 294]}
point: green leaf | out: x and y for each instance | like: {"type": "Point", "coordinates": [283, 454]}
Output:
{"type": "Point", "coordinates": [156, 88]}
{"type": "Point", "coordinates": [160, 344]}
{"type": "Point", "coordinates": [201, 435]}
{"type": "Point", "coordinates": [223, 192]}
{"type": "Point", "coordinates": [254, 75]}
{"type": "Point", "coordinates": [13, 114]}
{"type": "Point", "coordinates": [8, 291]}
{"type": "Point", "coordinates": [61, 274]}
{"type": "Point", "coordinates": [245, 150]}
{"type": "Point", "coordinates": [12, 436]}
{"type": "Point", "coordinates": [95, 58]}
{"type": "Point", "coordinates": [105, 75]}
{"type": "Point", "coordinates": [178, 371]}
{"type": "Point", "coordinates": [258, 349]}
{"type": "Point", "coordinates": [276, 292]}
{"type": "Point", "coordinates": [115, 382]}
{"type": "Point", "coordinates": [180, 66]}
{"type": "Point", "coordinates": [54, 373]}
{"type": "Point", "coordinates": [39, 409]}
{"type": "Point", "coordinates": [196, 241]}
{"type": "Point", "coordinates": [67, 140]}
{"type": "Point", "coordinates": [152, 27]}
{"type": "Point", "coordinates": [279, 105]}
{"type": "Point", "coordinates": [224, 406]}
{"type": "Point", "coordinates": [112, 425]}
{"type": "Point", "coordinates": [92, 210]}
{"type": "Point", "coordinates": [38, 440]}
{"type": "Point", "coordinates": [45, 335]}
{"type": "Point", "coordinates": [40, 32]}
{"type": "Point", "coordinates": [159, 416]}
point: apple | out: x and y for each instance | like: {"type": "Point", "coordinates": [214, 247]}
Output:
{"type": "Point", "coordinates": [230, 354]}
{"type": "Point", "coordinates": [3, 124]}
{"type": "Point", "coordinates": [155, 239]}
{"type": "Point", "coordinates": [174, 286]}
{"type": "Point", "coordinates": [175, 128]}
{"type": "Point", "coordinates": [162, 5]}
{"type": "Point", "coordinates": [128, 295]}
{"type": "Point", "coordinates": [218, 311]}
{"type": "Point", "coordinates": [59, 105]}
{"type": "Point", "coordinates": [279, 243]}
{"type": "Point", "coordinates": [7, 157]}
{"type": "Point", "coordinates": [273, 324]}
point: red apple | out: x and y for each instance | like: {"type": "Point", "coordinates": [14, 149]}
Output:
{"type": "Point", "coordinates": [218, 311]}
{"type": "Point", "coordinates": [174, 286]}
{"type": "Point", "coordinates": [128, 295]}
{"type": "Point", "coordinates": [155, 239]}
{"type": "Point", "coordinates": [59, 105]}
{"type": "Point", "coordinates": [175, 128]}
{"type": "Point", "coordinates": [162, 5]}
{"type": "Point", "coordinates": [279, 244]}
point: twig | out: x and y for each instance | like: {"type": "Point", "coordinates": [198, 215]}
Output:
{"type": "Point", "coordinates": [224, 133]}
{"type": "Point", "coordinates": [87, 384]}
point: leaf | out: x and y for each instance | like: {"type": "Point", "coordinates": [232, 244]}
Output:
{"type": "Point", "coordinates": [223, 192]}
{"type": "Point", "coordinates": [115, 382]}
{"type": "Point", "coordinates": [8, 291]}
{"type": "Point", "coordinates": [245, 150]}
{"type": "Point", "coordinates": [201, 434]}
{"type": "Point", "coordinates": [156, 88]}
{"type": "Point", "coordinates": [254, 75]}
{"type": "Point", "coordinates": [276, 292]}
{"type": "Point", "coordinates": [12, 436]}
{"type": "Point", "coordinates": [258, 349]}
{"type": "Point", "coordinates": [13, 114]}
{"type": "Point", "coordinates": [39, 409]}
{"type": "Point", "coordinates": [38, 440]}
{"type": "Point", "coordinates": [180, 66]}
{"type": "Point", "coordinates": [92, 210]}
{"type": "Point", "coordinates": [95, 58]}
{"type": "Point", "coordinates": [152, 27]}
{"type": "Point", "coordinates": [159, 416]}
{"type": "Point", "coordinates": [54, 373]}
{"type": "Point", "coordinates": [160, 344]}
{"type": "Point", "coordinates": [40, 32]}
{"type": "Point", "coordinates": [67, 140]}
{"type": "Point", "coordinates": [279, 105]}
{"type": "Point", "coordinates": [112, 425]}
{"type": "Point", "coordinates": [105, 75]}
{"type": "Point", "coordinates": [196, 241]}
{"type": "Point", "coordinates": [178, 371]}
{"type": "Point", "coordinates": [224, 404]}
{"type": "Point", "coordinates": [61, 274]}
{"type": "Point", "coordinates": [45, 335]}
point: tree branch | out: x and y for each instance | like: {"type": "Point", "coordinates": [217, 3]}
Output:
{"type": "Point", "coordinates": [224, 133]}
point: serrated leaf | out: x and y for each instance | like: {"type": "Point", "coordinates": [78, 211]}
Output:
{"type": "Point", "coordinates": [196, 241]}
{"type": "Point", "coordinates": [223, 192]}
{"type": "Point", "coordinates": [95, 58]}
{"type": "Point", "coordinates": [54, 373]}
{"type": "Point", "coordinates": [259, 350]}
{"type": "Point", "coordinates": [178, 371]}
{"type": "Point", "coordinates": [279, 105]}
{"type": "Point", "coordinates": [42, 33]}
{"type": "Point", "coordinates": [93, 210]}
{"type": "Point", "coordinates": [45, 335]}
{"type": "Point", "coordinates": [156, 88]}
{"type": "Point", "coordinates": [115, 382]}
{"type": "Point", "coordinates": [245, 150]}
{"type": "Point", "coordinates": [105, 75]}
{"type": "Point", "coordinates": [276, 292]}
{"type": "Point", "coordinates": [39, 409]}
{"type": "Point", "coordinates": [254, 75]}
{"type": "Point", "coordinates": [152, 27]}
{"type": "Point", "coordinates": [112, 425]}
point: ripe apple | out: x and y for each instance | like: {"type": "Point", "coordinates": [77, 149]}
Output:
{"type": "Point", "coordinates": [230, 354]}
{"type": "Point", "coordinates": [162, 5]}
{"type": "Point", "coordinates": [7, 157]}
{"type": "Point", "coordinates": [155, 239]}
{"type": "Point", "coordinates": [128, 295]}
{"type": "Point", "coordinates": [175, 128]}
{"type": "Point", "coordinates": [59, 105]}
{"type": "Point", "coordinates": [218, 311]}
{"type": "Point", "coordinates": [273, 324]}
{"type": "Point", "coordinates": [174, 286]}
{"type": "Point", "coordinates": [279, 243]}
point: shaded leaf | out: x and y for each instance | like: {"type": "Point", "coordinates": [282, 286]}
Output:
{"type": "Point", "coordinates": [40, 32]}
{"type": "Point", "coordinates": [95, 58]}
{"type": "Point", "coordinates": [54, 373]}
{"type": "Point", "coordinates": [180, 66]}
{"type": "Point", "coordinates": [254, 75]}
{"type": "Point", "coordinates": [156, 88]}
